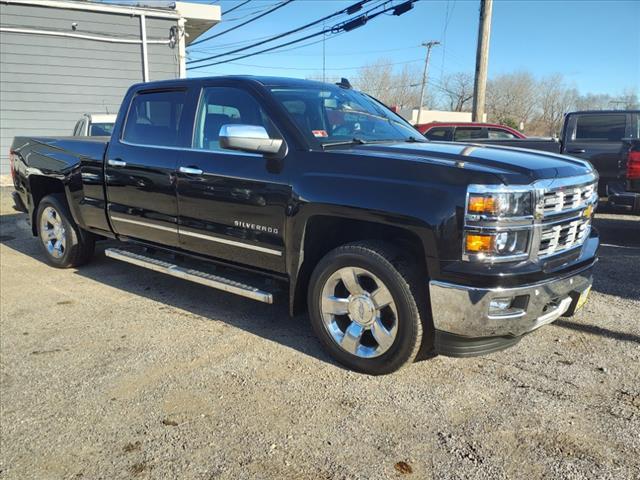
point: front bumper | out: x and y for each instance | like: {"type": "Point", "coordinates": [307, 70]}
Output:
{"type": "Point", "coordinates": [463, 311]}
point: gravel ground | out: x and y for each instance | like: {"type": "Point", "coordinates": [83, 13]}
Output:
{"type": "Point", "coordinates": [115, 372]}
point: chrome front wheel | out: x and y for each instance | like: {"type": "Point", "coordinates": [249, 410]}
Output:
{"type": "Point", "coordinates": [358, 312]}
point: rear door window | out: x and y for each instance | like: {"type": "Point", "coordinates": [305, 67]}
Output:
{"type": "Point", "coordinates": [602, 127]}
{"type": "Point", "coordinates": [154, 118]}
{"type": "Point", "coordinates": [470, 133]}
{"type": "Point", "coordinates": [439, 133]}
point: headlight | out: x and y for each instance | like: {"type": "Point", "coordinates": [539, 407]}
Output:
{"type": "Point", "coordinates": [499, 204]}
{"type": "Point", "coordinates": [498, 223]}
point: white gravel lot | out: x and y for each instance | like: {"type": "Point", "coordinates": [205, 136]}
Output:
{"type": "Point", "coordinates": [115, 372]}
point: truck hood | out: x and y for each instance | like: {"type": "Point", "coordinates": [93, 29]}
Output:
{"type": "Point", "coordinates": [510, 164]}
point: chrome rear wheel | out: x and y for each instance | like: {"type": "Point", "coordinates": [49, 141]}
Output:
{"type": "Point", "coordinates": [52, 232]}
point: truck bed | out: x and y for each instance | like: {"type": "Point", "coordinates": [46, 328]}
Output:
{"type": "Point", "coordinates": [58, 154]}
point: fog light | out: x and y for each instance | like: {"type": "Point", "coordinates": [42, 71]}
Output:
{"type": "Point", "coordinates": [499, 306]}
{"type": "Point", "coordinates": [508, 307]}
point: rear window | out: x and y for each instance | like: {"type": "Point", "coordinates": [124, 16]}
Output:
{"type": "Point", "coordinates": [101, 129]}
{"type": "Point", "coordinates": [154, 118]}
{"type": "Point", "coordinates": [600, 127]}
{"type": "Point", "coordinates": [439, 133]}
{"type": "Point", "coordinates": [470, 133]}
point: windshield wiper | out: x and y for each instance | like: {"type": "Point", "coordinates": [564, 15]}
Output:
{"type": "Point", "coordinates": [413, 139]}
{"type": "Point", "coordinates": [353, 141]}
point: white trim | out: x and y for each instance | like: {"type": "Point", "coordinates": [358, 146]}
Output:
{"type": "Point", "coordinates": [97, 38]}
{"type": "Point", "coordinates": [95, 7]}
{"type": "Point", "coordinates": [182, 56]}
{"type": "Point", "coordinates": [145, 56]}
{"type": "Point", "coordinates": [230, 242]}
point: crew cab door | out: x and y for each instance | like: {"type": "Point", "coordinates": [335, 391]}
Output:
{"type": "Point", "coordinates": [597, 137]}
{"type": "Point", "coordinates": [140, 167]}
{"type": "Point", "coordinates": [232, 204]}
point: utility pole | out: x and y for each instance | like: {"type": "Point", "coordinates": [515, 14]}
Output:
{"type": "Point", "coordinates": [429, 46]}
{"type": "Point", "coordinates": [482, 60]}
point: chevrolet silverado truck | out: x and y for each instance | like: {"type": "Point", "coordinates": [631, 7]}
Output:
{"type": "Point", "coordinates": [320, 196]}
{"type": "Point", "coordinates": [606, 138]}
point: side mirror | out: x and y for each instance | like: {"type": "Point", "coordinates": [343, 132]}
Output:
{"type": "Point", "coordinates": [248, 138]}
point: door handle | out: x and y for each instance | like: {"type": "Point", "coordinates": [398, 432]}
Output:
{"type": "Point", "coordinates": [190, 170]}
{"type": "Point", "coordinates": [576, 150]}
{"type": "Point", "coordinates": [116, 163]}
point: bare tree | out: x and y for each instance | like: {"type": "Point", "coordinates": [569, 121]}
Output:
{"type": "Point", "coordinates": [394, 89]}
{"type": "Point", "coordinates": [511, 98]}
{"type": "Point", "coordinates": [594, 101]}
{"type": "Point", "coordinates": [628, 100]}
{"type": "Point", "coordinates": [555, 99]}
{"type": "Point", "coordinates": [457, 91]}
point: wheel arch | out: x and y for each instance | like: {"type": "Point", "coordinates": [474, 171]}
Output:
{"type": "Point", "coordinates": [40, 186]}
{"type": "Point", "coordinates": [322, 233]}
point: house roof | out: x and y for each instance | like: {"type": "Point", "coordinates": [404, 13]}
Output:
{"type": "Point", "coordinates": [198, 17]}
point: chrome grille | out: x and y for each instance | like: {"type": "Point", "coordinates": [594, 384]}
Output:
{"type": "Point", "coordinates": [566, 199]}
{"type": "Point", "coordinates": [563, 236]}
{"type": "Point", "coordinates": [559, 236]}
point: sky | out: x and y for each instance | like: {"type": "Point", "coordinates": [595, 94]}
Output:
{"type": "Point", "coordinates": [594, 44]}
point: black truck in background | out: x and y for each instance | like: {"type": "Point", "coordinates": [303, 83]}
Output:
{"type": "Point", "coordinates": [267, 187]}
{"type": "Point", "coordinates": [610, 140]}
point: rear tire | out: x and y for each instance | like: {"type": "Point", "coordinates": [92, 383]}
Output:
{"type": "Point", "coordinates": [364, 306]}
{"type": "Point", "coordinates": [64, 244]}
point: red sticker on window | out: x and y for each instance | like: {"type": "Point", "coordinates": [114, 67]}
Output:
{"type": "Point", "coordinates": [319, 133]}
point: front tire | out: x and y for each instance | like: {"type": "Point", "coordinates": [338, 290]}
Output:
{"type": "Point", "coordinates": [64, 244]}
{"type": "Point", "coordinates": [364, 307]}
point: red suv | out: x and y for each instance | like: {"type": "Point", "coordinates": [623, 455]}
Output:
{"type": "Point", "coordinates": [465, 131]}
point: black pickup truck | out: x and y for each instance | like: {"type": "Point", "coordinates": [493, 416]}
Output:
{"type": "Point", "coordinates": [609, 139]}
{"type": "Point", "coordinates": [318, 193]}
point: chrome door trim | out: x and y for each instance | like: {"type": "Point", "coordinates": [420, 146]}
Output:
{"type": "Point", "coordinates": [230, 242]}
{"type": "Point", "coordinates": [143, 224]}
{"type": "Point", "coordinates": [190, 170]}
{"type": "Point", "coordinates": [116, 163]}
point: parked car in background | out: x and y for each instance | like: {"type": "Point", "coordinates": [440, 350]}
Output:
{"type": "Point", "coordinates": [95, 125]}
{"type": "Point", "coordinates": [317, 193]}
{"type": "Point", "coordinates": [466, 131]}
{"type": "Point", "coordinates": [607, 139]}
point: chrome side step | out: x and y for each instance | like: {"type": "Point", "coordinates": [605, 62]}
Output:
{"type": "Point", "coordinates": [203, 278]}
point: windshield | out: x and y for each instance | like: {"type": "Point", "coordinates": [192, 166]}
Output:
{"type": "Point", "coordinates": [101, 129]}
{"type": "Point", "coordinates": [337, 115]}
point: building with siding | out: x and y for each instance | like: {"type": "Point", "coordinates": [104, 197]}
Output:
{"type": "Point", "coordinates": [62, 58]}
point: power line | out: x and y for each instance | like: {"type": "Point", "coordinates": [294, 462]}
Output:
{"type": "Point", "coordinates": [332, 68]}
{"type": "Point", "coordinates": [353, 8]}
{"type": "Point", "coordinates": [252, 19]}
{"type": "Point", "coordinates": [247, 12]}
{"type": "Point", "coordinates": [345, 26]}
{"type": "Point", "coordinates": [236, 7]}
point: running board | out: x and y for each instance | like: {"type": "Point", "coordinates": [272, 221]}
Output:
{"type": "Point", "coordinates": [196, 276]}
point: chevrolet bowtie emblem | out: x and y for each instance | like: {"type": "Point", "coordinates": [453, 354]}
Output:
{"type": "Point", "coordinates": [587, 212]}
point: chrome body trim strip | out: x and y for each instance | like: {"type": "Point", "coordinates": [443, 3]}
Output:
{"type": "Point", "coordinates": [182, 231]}
{"type": "Point", "coordinates": [143, 224]}
{"type": "Point", "coordinates": [211, 238]}
{"type": "Point", "coordinates": [196, 276]}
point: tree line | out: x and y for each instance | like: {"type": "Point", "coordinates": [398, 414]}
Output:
{"type": "Point", "coordinates": [534, 105]}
